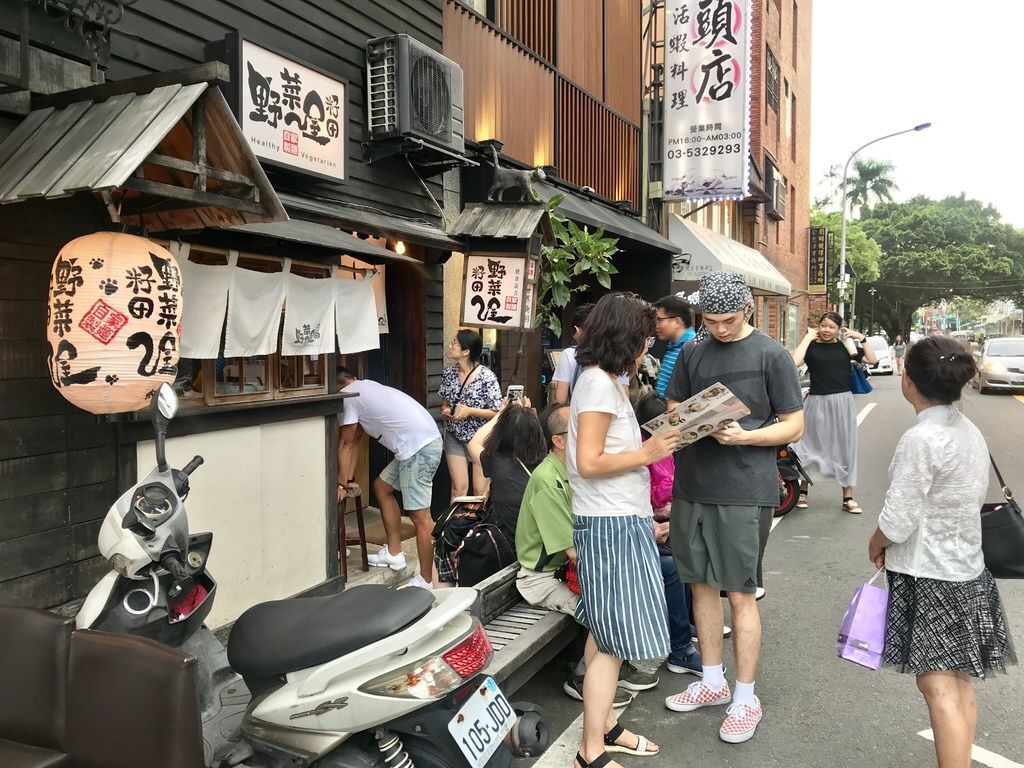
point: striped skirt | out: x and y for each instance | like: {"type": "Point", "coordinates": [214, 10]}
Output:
{"type": "Point", "coordinates": [622, 600]}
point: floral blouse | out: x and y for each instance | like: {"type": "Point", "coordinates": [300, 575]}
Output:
{"type": "Point", "coordinates": [483, 391]}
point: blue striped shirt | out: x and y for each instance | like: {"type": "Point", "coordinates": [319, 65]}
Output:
{"type": "Point", "coordinates": [669, 359]}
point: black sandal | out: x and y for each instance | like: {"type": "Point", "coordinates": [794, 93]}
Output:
{"type": "Point", "coordinates": [602, 760]}
{"type": "Point", "coordinates": [641, 748]}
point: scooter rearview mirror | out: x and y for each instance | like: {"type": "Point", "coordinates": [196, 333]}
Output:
{"type": "Point", "coordinates": [165, 405]}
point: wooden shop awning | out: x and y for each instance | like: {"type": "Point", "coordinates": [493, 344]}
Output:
{"type": "Point", "coordinates": [323, 236]}
{"type": "Point", "coordinates": [512, 221]}
{"type": "Point", "coordinates": [162, 152]}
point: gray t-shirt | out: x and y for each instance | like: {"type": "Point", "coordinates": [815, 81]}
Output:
{"type": "Point", "coordinates": [761, 373]}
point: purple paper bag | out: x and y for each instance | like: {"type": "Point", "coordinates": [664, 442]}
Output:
{"type": "Point", "coordinates": [862, 633]}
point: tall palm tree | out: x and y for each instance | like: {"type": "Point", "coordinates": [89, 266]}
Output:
{"type": "Point", "coordinates": [870, 179]}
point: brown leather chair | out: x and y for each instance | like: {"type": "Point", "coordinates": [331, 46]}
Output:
{"type": "Point", "coordinates": [132, 702]}
{"type": "Point", "coordinates": [34, 674]}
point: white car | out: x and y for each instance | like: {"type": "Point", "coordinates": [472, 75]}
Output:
{"type": "Point", "coordinates": [885, 364]}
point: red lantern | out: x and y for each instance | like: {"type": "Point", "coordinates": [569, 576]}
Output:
{"type": "Point", "coordinates": [113, 321]}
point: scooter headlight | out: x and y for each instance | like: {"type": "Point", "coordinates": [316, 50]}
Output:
{"type": "Point", "coordinates": [120, 563]}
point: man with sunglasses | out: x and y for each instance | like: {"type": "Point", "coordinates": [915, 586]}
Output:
{"type": "Point", "coordinates": [675, 328]}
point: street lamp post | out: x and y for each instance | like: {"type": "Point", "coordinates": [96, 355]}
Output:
{"type": "Point", "coordinates": [842, 237]}
{"type": "Point", "coordinates": [872, 291]}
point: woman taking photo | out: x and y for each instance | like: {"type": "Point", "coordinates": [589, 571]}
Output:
{"type": "Point", "coordinates": [623, 600]}
{"type": "Point", "coordinates": [470, 397]}
{"type": "Point", "coordinates": [899, 350]}
{"type": "Point", "coordinates": [945, 622]}
{"type": "Point", "coordinates": [507, 448]}
{"type": "Point", "coordinates": [830, 416]}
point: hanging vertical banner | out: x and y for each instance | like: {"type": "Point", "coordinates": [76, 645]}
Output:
{"type": "Point", "coordinates": [817, 260]}
{"type": "Point", "coordinates": [707, 99]}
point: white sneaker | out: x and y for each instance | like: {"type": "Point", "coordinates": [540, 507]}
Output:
{"type": "Point", "coordinates": [385, 559]}
{"type": "Point", "coordinates": [419, 581]}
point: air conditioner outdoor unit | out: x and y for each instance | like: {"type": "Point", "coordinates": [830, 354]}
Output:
{"type": "Point", "coordinates": [413, 91]}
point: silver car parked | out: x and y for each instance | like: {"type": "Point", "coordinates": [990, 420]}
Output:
{"type": "Point", "coordinates": [1000, 365]}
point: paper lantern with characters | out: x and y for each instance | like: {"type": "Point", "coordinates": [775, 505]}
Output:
{"type": "Point", "coordinates": [113, 321]}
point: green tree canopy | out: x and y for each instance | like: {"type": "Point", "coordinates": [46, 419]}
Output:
{"type": "Point", "coordinates": [941, 249]}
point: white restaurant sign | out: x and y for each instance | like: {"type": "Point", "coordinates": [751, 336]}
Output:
{"type": "Point", "coordinates": [499, 291]}
{"type": "Point", "coordinates": [707, 99]}
{"type": "Point", "coordinates": [292, 114]}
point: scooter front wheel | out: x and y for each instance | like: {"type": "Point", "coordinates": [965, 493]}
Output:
{"type": "Point", "coordinates": [789, 494]}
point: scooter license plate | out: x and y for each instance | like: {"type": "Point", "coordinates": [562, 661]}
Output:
{"type": "Point", "coordinates": [482, 723]}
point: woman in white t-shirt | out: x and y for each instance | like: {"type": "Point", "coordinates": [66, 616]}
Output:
{"type": "Point", "coordinates": [623, 598]}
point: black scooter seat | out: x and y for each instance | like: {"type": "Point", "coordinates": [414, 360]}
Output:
{"type": "Point", "coordinates": [287, 635]}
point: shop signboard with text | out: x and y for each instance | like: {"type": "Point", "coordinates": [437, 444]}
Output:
{"type": "Point", "coordinates": [817, 260]}
{"type": "Point", "coordinates": [291, 113]}
{"type": "Point", "coordinates": [707, 99]}
{"type": "Point", "coordinates": [499, 291]}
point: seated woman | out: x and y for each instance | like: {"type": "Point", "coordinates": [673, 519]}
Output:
{"type": "Point", "coordinates": [507, 448]}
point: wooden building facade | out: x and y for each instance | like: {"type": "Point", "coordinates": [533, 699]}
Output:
{"type": "Point", "coordinates": [272, 507]}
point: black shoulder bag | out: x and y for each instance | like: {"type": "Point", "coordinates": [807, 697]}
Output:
{"type": "Point", "coordinates": [1002, 534]}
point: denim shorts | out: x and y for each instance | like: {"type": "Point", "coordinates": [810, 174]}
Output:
{"type": "Point", "coordinates": [455, 447]}
{"type": "Point", "coordinates": [414, 476]}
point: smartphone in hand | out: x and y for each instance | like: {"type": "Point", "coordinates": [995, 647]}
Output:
{"type": "Point", "coordinates": [515, 393]}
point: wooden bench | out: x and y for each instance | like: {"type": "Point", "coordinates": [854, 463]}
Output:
{"type": "Point", "coordinates": [524, 638]}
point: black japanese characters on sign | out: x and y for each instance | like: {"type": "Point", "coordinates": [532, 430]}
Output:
{"type": "Point", "coordinates": [706, 99]}
{"type": "Point", "coordinates": [292, 114]}
{"type": "Point", "coordinates": [499, 291]}
{"type": "Point", "coordinates": [817, 259]}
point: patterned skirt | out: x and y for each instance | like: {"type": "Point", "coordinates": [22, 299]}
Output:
{"type": "Point", "coordinates": [946, 625]}
{"type": "Point", "coordinates": [622, 595]}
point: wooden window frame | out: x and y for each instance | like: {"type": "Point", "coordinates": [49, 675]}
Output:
{"type": "Point", "coordinates": [772, 79]}
{"type": "Point", "coordinates": [275, 390]}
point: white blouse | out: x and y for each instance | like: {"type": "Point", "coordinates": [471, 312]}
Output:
{"type": "Point", "coordinates": [938, 482]}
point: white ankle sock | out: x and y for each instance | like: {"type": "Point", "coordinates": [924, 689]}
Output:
{"type": "Point", "coordinates": [744, 694]}
{"type": "Point", "coordinates": [714, 677]}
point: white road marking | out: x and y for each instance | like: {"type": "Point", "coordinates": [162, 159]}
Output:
{"type": "Point", "coordinates": [864, 413]}
{"type": "Point", "coordinates": [980, 755]}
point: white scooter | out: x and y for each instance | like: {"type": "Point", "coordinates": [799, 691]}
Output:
{"type": "Point", "coordinates": [372, 677]}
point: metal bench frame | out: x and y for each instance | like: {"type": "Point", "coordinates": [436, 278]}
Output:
{"type": "Point", "coordinates": [524, 638]}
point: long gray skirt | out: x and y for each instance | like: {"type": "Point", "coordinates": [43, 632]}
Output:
{"type": "Point", "coordinates": [829, 444]}
{"type": "Point", "coordinates": [622, 600]}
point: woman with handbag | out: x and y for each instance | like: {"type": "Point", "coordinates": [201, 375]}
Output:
{"type": "Point", "coordinates": [830, 415]}
{"type": "Point", "coordinates": [623, 600]}
{"type": "Point", "coordinates": [945, 621]}
{"type": "Point", "coordinates": [470, 397]}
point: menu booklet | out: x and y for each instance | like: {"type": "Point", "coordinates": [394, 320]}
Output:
{"type": "Point", "coordinates": [701, 415]}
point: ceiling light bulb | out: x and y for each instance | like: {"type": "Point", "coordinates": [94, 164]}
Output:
{"type": "Point", "coordinates": [400, 248]}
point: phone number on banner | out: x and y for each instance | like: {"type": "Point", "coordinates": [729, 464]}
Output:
{"type": "Point", "coordinates": [705, 151]}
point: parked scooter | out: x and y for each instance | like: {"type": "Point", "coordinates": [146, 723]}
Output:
{"type": "Point", "coordinates": [372, 677]}
{"type": "Point", "coordinates": [791, 472]}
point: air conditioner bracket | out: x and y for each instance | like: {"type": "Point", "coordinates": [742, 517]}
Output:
{"type": "Point", "coordinates": [428, 159]}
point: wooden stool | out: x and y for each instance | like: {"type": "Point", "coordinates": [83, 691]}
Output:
{"type": "Point", "coordinates": [343, 538]}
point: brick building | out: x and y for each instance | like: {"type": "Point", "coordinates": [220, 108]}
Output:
{"type": "Point", "coordinates": [775, 216]}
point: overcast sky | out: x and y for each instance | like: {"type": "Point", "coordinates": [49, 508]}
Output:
{"type": "Point", "coordinates": [880, 66]}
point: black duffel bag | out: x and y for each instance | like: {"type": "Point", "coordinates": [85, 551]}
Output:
{"type": "Point", "coordinates": [485, 550]}
{"type": "Point", "coordinates": [1002, 534]}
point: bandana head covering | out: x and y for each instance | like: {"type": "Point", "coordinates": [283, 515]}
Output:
{"type": "Point", "coordinates": [720, 293]}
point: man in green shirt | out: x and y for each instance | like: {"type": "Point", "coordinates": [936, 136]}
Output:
{"type": "Point", "coordinates": [544, 530]}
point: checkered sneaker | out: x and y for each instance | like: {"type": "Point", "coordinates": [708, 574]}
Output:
{"type": "Point", "coordinates": [740, 722]}
{"type": "Point", "coordinates": [698, 695]}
